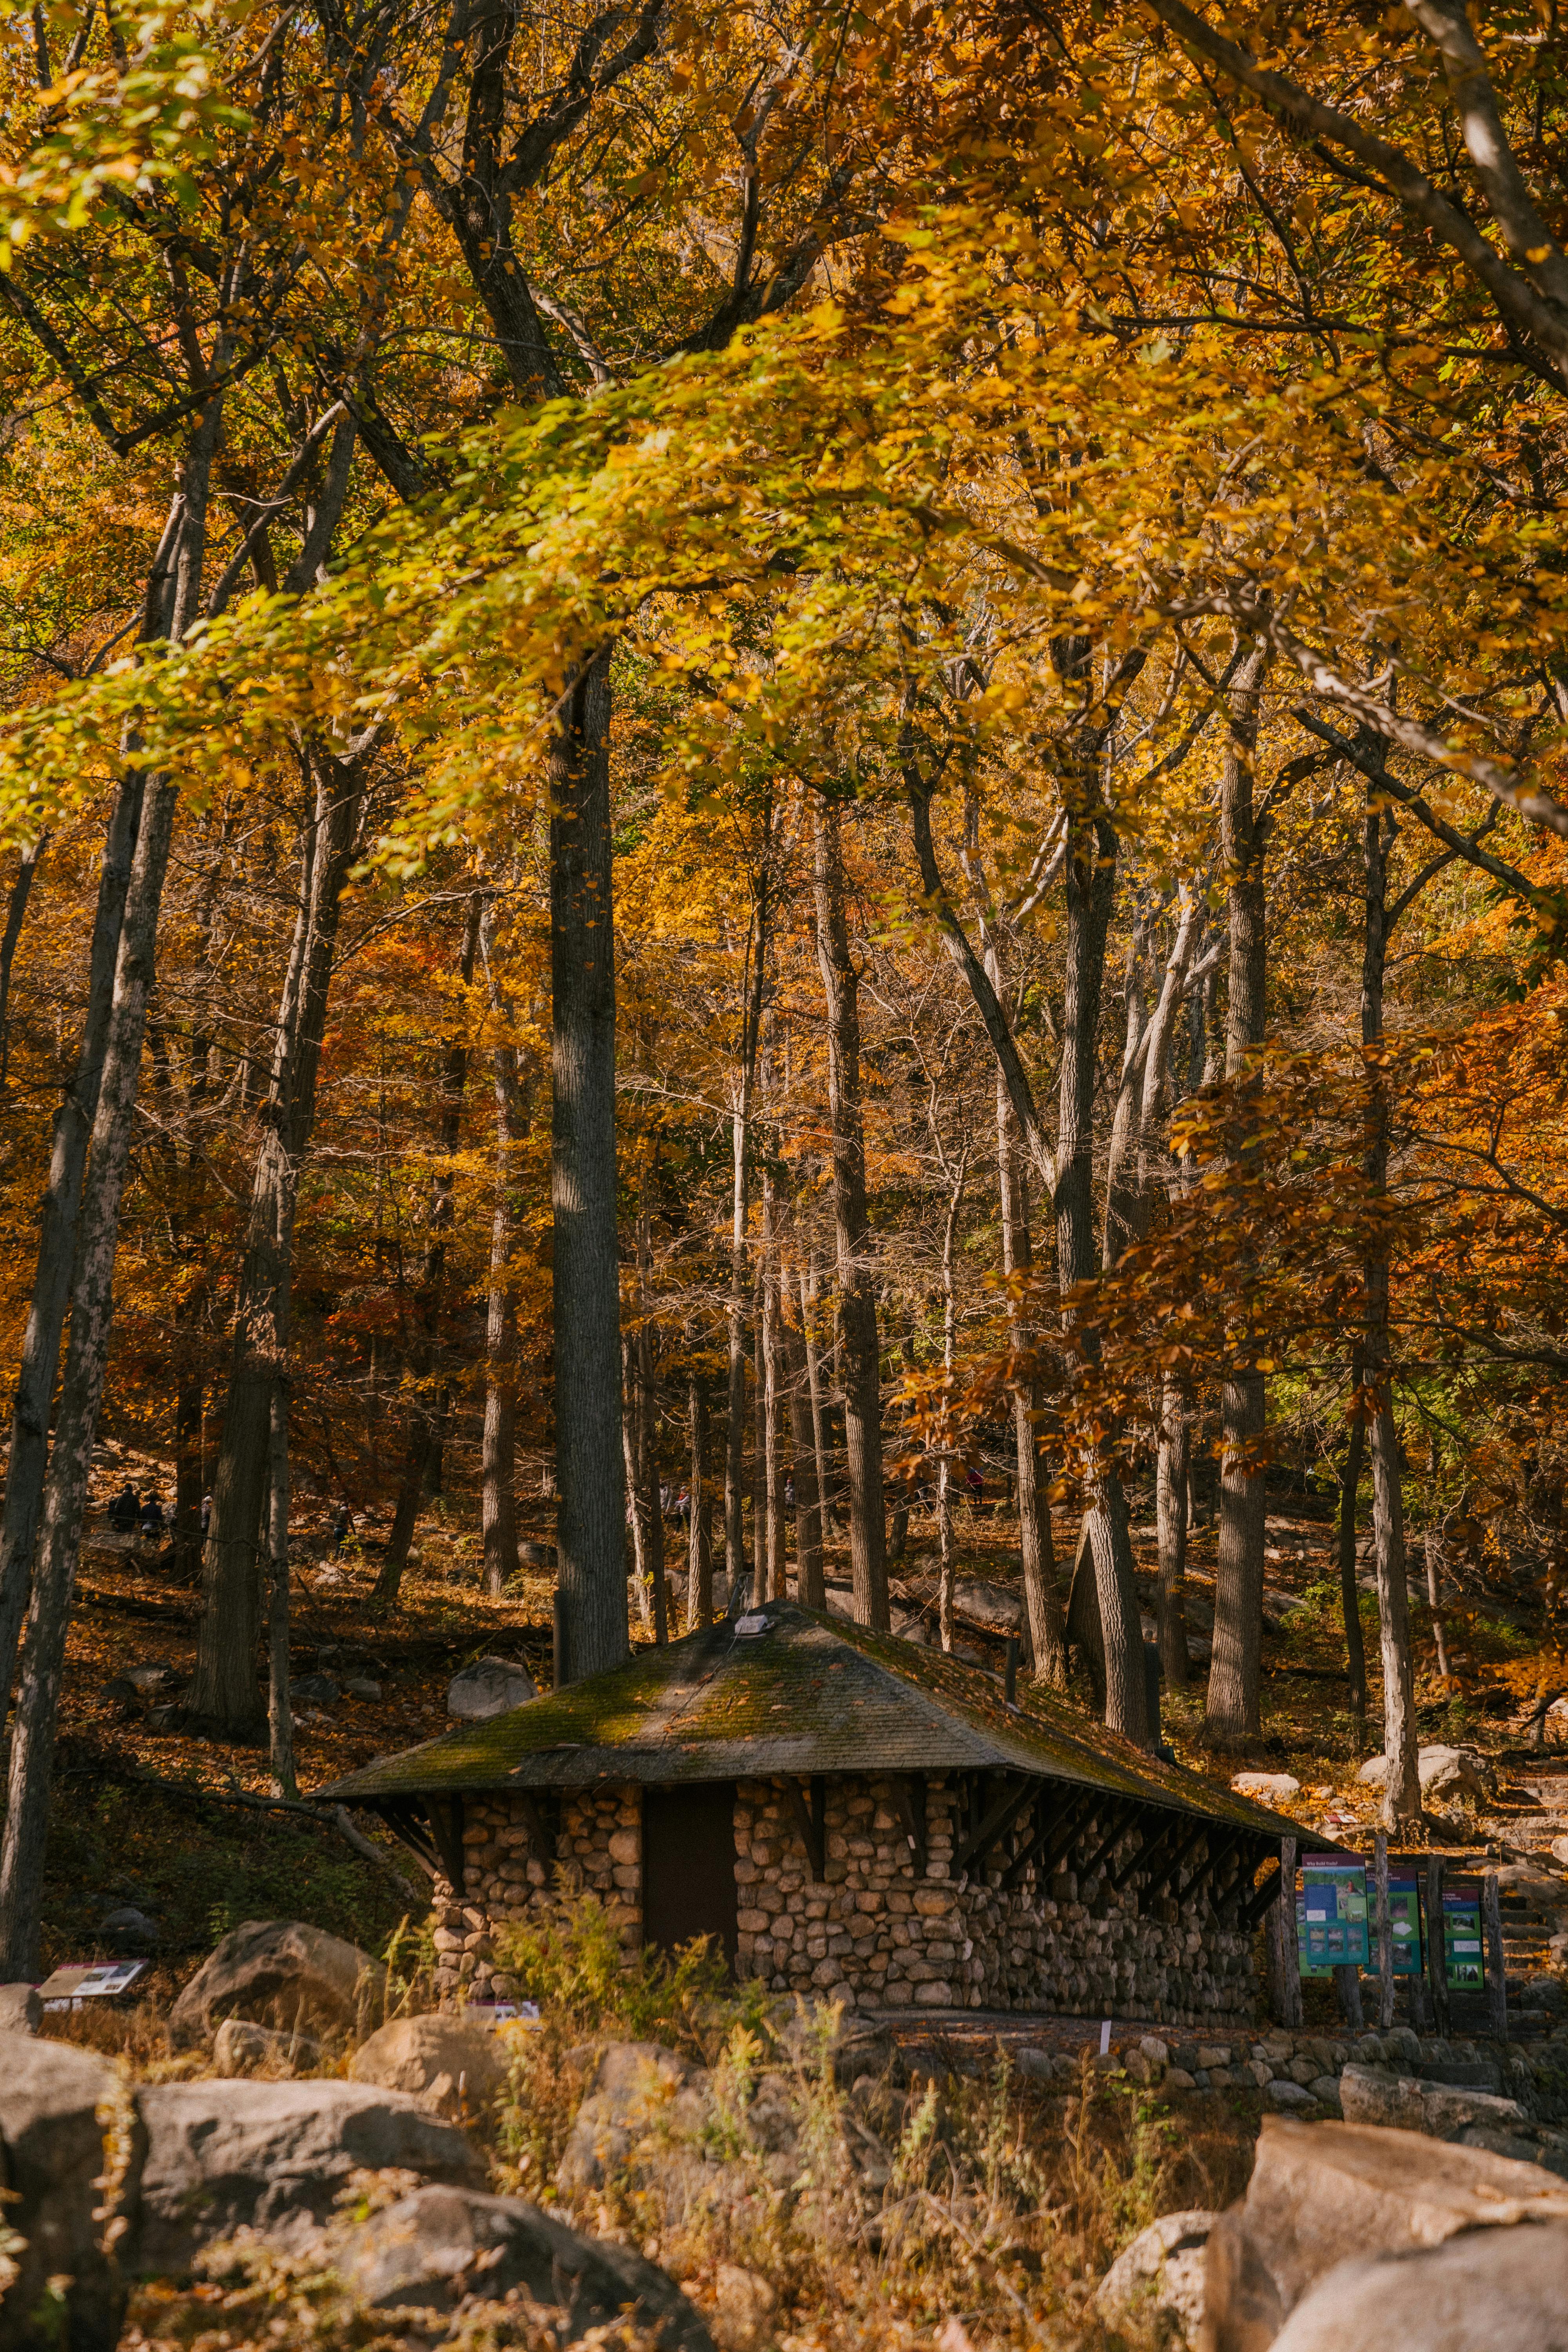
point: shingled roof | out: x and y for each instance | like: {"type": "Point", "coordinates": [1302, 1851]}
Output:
{"type": "Point", "coordinates": [809, 1695]}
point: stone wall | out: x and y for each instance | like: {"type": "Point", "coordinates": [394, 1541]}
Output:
{"type": "Point", "coordinates": [871, 1934]}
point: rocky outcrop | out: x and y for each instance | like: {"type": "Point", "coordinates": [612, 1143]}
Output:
{"type": "Point", "coordinates": [1328, 2194]}
{"type": "Point", "coordinates": [241, 2048]}
{"type": "Point", "coordinates": [431, 2249]}
{"type": "Point", "coordinates": [271, 2157]}
{"type": "Point", "coordinates": [21, 2011]}
{"type": "Point", "coordinates": [67, 2289]}
{"type": "Point", "coordinates": [1157, 2282]}
{"type": "Point", "coordinates": [282, 1973]}
{"type": "Point", "coordinates": [1505, 2290]}
{"type": "Point", "coordinates": [1447, 1775]}
{"type": "Point", "coordinates": [449, 2062]}
{"type": "Point", "coordinates": [490, 1687]}
{"type": "Point", "coordinates": [637, 2089]}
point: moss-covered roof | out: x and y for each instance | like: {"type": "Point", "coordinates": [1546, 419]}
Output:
{"type": "Point", "coordinates": [811, 1694]}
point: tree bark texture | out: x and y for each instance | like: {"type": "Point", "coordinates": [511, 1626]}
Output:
{"type": "Point", "coordinates": [700, 1533]}
{"type": "Point", "coordinates": [1350, 1591]}
{"type": "Point", "coordinates": [861, 1369]}
{"type": "Point", "coordinates": [1236, 1669]}
{"type": "Point", "coordinates": [497, 1462]}
{"type": "Point", "coordinates": [280, 1711]}
{"type": "Point", "coordinates": [585, 1276]}
{"type": "Point", "coordinates": [1043, 1613]}
{"type": "Point", "coordinates": [71, 1456]}
{"type": "Point", "coordinates": [1091, 872]}
{"type": "Point", "coordinates": [1172, 1470]}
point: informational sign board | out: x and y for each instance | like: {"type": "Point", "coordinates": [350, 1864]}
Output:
{"type": "Point", "coordinates": [1403, 1920]}
{"type": "Point", "coordinates": [1462, 1948]}
{"type": "Point", "coordinates": [69, 1987]}
{"type": "Point", "coordinates": [1330, 1913]}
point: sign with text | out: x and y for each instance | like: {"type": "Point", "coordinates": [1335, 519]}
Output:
{"type": "Point", "coordinates": [1462, 1953]}
{"type": "Point", "coordinates": [1330, 1913]}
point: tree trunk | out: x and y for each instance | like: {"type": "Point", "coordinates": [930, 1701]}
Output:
{"type": "Point", "coordinates": [424, 1437]}
{"type": "Point", "coordinates": [224, 1696]}
{"type": "Point", "coordinates": [1172, 1468]}
{"type": "Point", "coordinates": [700, 1543]}
{"type": "Point", "coordinates": [497, 1468]}
{"type": "Point", "coordinates": [27, 1461]}
{"type": "Point", "coordinates": [1401, 1789]}
{"type": "Point", "coordinates": [585, 1274]}
{"type": "Point", "coordinates": [71, 1457]}
{"type": "Point", "coordinates": [819, 1432]}
{"type": "Point", "coordinates": [1091, 870]}
{"type": "Point", "coordinates": [1037, 1546]}
{"type": "Point", "coordinates": [1350, 1592]}
{"type": "Point", "coordinates": [740, 1136]}
{"type": "Point", "coordinates": [857, 1293]}
{"type": "Point", "coordinates": [1236, 1667]}
{"type": "Point", "coordinates": [279, 1712]}
{"type": "Point", "coordinates": [809, 1586]}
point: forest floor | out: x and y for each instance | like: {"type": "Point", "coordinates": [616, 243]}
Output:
{"type": "Point", "coordinates": [158, 1819]}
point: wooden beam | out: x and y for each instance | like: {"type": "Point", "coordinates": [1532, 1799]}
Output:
{"type": "Point", "coordinates": [1000, 1818]}
{"type": "Point", "coordinates": [810, 1836]}
{"type": "Point", "coordinates": [1127, 1817]}
{"type": "Point", "coordinates": [1220, 1850]}
{"type": "Point", "coordinates": [1174, 1862]}
{"type": "Point", "coordinates": [1255, 1904]}
{"type": "Point", "coordinates": [447, 1823]}
{"type": "Point", "coordinates": [910, 1801]}
{"type": "Point", "coordinates": [1053, 1838]}
{"type": "Point", "coordinates": [1144, 1853]}
{"type": "Point", "coordinates": [401, 1815]}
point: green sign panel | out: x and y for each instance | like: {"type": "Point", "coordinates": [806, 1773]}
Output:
{"type": "Point", "coordinates": [1405, 1919]}
{"type": "Point", "coordinates": [1462, 1953]}
{"type": "Point", "coordinates": [1330, 1913]}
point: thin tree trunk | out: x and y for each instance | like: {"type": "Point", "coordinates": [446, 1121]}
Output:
{"type": "Point", "coordinates": [424, 1437]}
{"type": "Point", "coordinates": [1350, 1591]}
{"type": "Point", "coordinates": [1171, 1474]}
{"type": "Point", "coordinates": [27, 1461]}
{"type": "Point", "coordinates": [819, 1437]}
{"type": "Point", "coordinates": [699, 1542]}
{"type": "Point", "coordinates": [71, 1457]}
{"type": "Point", "coordinates": [1236, 1669]}
{"type": "Point", "coordinates": [809, 1586]}
{"type": "Point", "coordinates": [949, 1365]}
{"type": "Point", "coordinates": [497, 1462]}
{"type": "Point", "coordinates": [857, 1294]}
{"type": "Point", "coordinates": [1401, 1788]}
{"type": "Point", "coordinates": [280, 1717]}
{"type": "Point", "coordinates": [16, 913]}
{"type": "Point", "coordinates": [1090, 870]}
{"type": "Point", "coordinates": [1037, 1546]}
{"type": "Point", "coordinates": [224, 1698]}
{"type": "Point", "coordinates": [758, 1444]}
{"type": "Point", "coordinates": [591, 1522]}
{"type": "Point", "coordinates": [741, 1135]}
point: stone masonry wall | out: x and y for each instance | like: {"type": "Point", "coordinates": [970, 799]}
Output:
{"type": "Point", "coordinates": [872, 1934]}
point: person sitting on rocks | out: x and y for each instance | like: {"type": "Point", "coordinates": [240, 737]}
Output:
{"type": "Point", "coordinates": [151, 1520]}
{"type": "Point", "coordinates": [123, 1509]}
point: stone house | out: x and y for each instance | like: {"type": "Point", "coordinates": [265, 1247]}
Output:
{"type": "Point", "coordinates": [843, 1813]}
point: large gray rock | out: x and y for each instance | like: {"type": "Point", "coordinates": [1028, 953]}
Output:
{"type": "Point", "coordinates": [21, 2011]}
{"type": "Point", "coordinates": [241, 2048]}
{"type": "Point", "coordinates": [1447, 1775]}
{"type": "Point", "coordinates": [449, 2062]}
{"type": "Point", "coordinates": [430, 2249]}
{"type": "Point", "coordinates": [1158, 2281]}
{"type": "Point", "coordinates": [271, 2156]}
{"type": "Point", "coordinates": [279, 1972]}
{"type": "Point", "coordinates": [636, 2088]}
{"type": "Point", "coordinates": [1506, 2291]}
{"type": "Point", "coordinates": [1322, 2194]}
{"type": "Point", "coordinates": [1442, 2110]}
{"type": "Point", "coordinates": [490, 1687]}
{"type": "Point", "coordinates": [51, 2161]}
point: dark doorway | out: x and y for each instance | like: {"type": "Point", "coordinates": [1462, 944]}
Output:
{"type": "Point", "coordinates": [688, 1867]}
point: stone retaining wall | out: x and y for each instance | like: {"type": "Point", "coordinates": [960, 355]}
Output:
{"type": "Point", "coordinates": [871, 1934]}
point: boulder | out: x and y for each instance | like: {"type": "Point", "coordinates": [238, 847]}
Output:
{"type": "Point", "coordinates": [51, 2159]}
{"type": "Point", "coordinates": [1157, 2281]}
{"type": "Point", "coordinates": [1447, 1775]}
{"type": "Point", "coordinates": [21, 2011]}
{"type": "Point", "coordinates": [490, 1687]}
{"type": "Point", "coordinates": [995, 1606]}
{"type": "Point", "coordinates": [1325, 2193]}
{"type": "Point", "coordinates": [449, 2062]}
{"type": "Point", "coordinates": [431, 2249]}
{"type": "Point", "coordinates": [637, 2087]}
{"type": "Point", "coordinates": [743, 2307]}
{"type": "Point", "coordinates": [1502, 2290]}
{"type": "Point", "coordinates": [1442, 2110]}
{"type": "Point", "coordinates": [271, 2157]}
{"type": "Point", "coordinates": [1269, 1788]}
{"type": "Point", "coordinates": [279, 1972]}
{"type": "Point", "coordinates": [241, 2048]}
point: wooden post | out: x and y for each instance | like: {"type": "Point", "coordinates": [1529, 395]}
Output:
{"type": "Point", "coordinates": [1283, 1945]}
{"type": "Point", "coordinates": [1384, 1933]}
{"type": "Point", "coordinates": [1010, 1685]}
{"type": "Point", "coordinates": [1491, 1930]}
{"type": "Point", "coordinates": [1436, 1945]}
{"type": "Point", "coordinates": [1347, 1981]}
